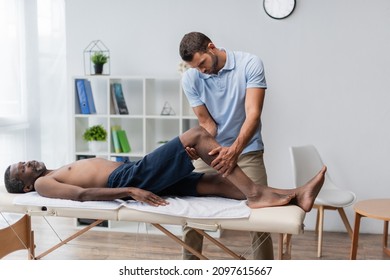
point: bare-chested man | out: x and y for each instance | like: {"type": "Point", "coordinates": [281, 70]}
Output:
{"type": "Point", "coordinates": [165, 171]}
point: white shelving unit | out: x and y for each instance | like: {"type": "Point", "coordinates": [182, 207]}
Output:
{"type": "Point", "coordinates": [144, 125]}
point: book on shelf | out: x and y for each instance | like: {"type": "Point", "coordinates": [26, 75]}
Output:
{"type": "Point", "coordinates": [91, 101]}
{"type": "Point", "coordinates": [85, 96]}
{"type": "Point", "coordinates": [115, 140]}
{"type": "Point", "coordinates": [120, 159]}
{"type": "Point", "coordinates": [116, 109]}
{"type": "Point", "coordinates": [82, 95]}
{"type": "Point", "coordinates": [118, 99]}
{"type": "Point", "coordinates": [123, 141]}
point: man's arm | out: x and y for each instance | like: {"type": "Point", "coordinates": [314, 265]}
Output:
{"type": "Point", "coordinates": [253, 107]}
{"type": "Point", "coordinates": [50, 187]}
{"type": "Point", "coordinates": [228, 156]}
{"type": "Point", "coordinates": [205, 119]}
{"type": "Point", "coordinates": [207, 122]}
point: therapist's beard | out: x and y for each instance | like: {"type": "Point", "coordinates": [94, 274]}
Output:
{"type": "Point", "coordinates": [214, 66]}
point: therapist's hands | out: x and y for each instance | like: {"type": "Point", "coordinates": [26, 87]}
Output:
{"type": "Point", "coordinates": [225, 161]}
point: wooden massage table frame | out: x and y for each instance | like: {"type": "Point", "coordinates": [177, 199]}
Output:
{"type": "Point", "coordinates": [285, 221]}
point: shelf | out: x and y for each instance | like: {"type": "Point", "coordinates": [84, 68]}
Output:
{"type": "Point", "coordinates": [148, 99]}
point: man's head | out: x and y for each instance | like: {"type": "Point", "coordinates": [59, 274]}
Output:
{"type": "Point", "coordinates": [20, 177]}
{"type": "Point", "coordinates": [192, 43]}
{"type": "Point", "coordinates": [199, 52]}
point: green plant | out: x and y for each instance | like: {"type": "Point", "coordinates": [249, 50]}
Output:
{"type": "Point", "coordinates": [95, 133]}
{"type": "Point", "coordinates": [99, 58]}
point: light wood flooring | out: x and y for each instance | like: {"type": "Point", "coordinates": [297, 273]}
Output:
{"type": "Point", "coordinates": [103, 244]}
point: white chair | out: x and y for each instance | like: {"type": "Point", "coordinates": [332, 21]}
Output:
{"type": "Point", "coordinates": [306, 162]}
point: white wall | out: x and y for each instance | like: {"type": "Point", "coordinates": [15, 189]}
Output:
{"type": "Point", "coordinates": [327, 67]}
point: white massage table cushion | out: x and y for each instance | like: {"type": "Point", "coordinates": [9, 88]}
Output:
{"type": "Point", "coordinates": [284, 219]}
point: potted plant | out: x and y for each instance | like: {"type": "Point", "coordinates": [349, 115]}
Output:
{"type": "Point", "coordinates": [96, 136]}
{"type": "Point", "coordinates": [99, 59]}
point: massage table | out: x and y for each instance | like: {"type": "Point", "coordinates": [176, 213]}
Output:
{"type": "Point", "coordinates": [285, 221]}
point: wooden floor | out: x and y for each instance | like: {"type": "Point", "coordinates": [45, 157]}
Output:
{"type": "Point", "coordinates": [103, 244]}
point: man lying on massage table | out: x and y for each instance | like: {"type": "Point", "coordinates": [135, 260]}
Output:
{"type": "Point", "coordinates": [165, 171]}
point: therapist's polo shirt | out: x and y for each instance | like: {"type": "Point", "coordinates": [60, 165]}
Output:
{"type": "Point", "coordinates": [224, 95]}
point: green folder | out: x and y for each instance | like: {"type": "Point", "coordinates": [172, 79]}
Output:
{"type": "Point", "coordinates": [123, 141]}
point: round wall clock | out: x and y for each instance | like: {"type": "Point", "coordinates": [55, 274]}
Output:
{"type": "Point", "coordinates": [279, 9]}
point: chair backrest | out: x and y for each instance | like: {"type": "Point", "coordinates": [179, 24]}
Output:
{"type": "Point", "coordinates": [306, 162]}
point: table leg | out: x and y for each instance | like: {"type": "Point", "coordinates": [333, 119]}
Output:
{"type": "Point", "coordinates": [355, 237]}
{"type": "Point", "coordinates": [385, 235]}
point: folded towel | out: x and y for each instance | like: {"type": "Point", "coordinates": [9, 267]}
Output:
{"type": "Point", "coordinates": [197, 207]}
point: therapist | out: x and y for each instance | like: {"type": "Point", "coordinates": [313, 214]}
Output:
{"type": "Point", "coordinates": [226, 91]}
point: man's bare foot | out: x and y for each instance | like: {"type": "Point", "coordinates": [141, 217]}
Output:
{"type": "Point", "coordinates": [268, 198]}
{"type": "Point", "coordinates": [306, 194]}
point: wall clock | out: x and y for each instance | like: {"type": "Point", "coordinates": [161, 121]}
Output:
{"type": "Point", "coordinates": [279, 9]}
